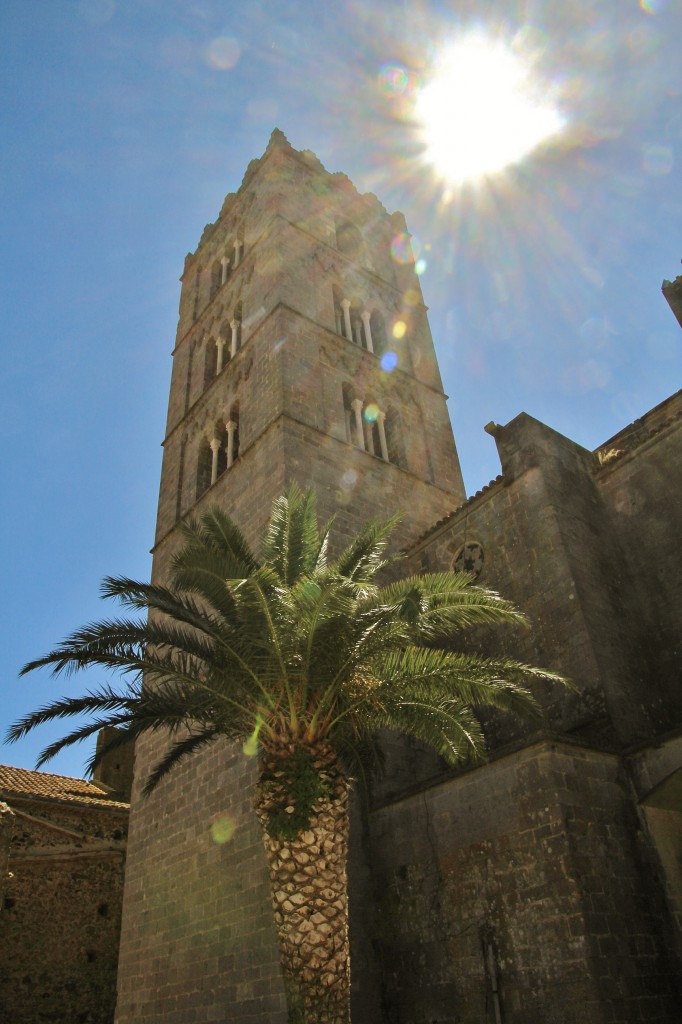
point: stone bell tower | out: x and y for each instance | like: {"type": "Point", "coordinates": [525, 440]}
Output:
{"type": "Point", "coordinates": [303, 353]}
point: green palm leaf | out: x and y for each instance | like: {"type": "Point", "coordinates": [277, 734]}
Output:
{"type": "Point", "coordinates": [292, 648]}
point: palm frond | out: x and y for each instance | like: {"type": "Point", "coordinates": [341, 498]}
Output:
{"type": "Point", "coordinates": [292, 541]}
{"type": "Point", "coordinates": [215, 530]}
{"type": "Point", "coordinates": [105, 700]}
{"type": "Point", "coordinates": [303, 645]}
{"type": "Point", "coordinates": [363, 559]}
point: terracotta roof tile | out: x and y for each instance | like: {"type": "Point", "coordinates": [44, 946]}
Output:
{"type": "Point", "coordinates": [25, 783]}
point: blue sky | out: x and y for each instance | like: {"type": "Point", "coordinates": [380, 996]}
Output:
{"type": "Point", "coordinates": [125, 122]}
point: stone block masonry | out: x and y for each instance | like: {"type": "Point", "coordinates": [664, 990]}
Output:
{"type": "Point", "coordinates": [492, 886]}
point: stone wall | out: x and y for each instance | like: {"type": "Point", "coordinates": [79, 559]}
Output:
{"type": "Point", "coordinates": [60, 920]}
{"type": "Point", "coordinates": [198, 940]}
{"type": "Point", "coordinates": [528, 881]}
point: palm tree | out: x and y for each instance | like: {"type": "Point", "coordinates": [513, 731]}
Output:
{"type": "Point", "coordinates": [303, 658]}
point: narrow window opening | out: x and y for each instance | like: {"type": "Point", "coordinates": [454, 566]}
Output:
{"type": "Point", "coordinates": [372, 437]}
{"type": "Point", "coordinates": [237, 318]}
{"type": "Point", "coordinates": [210, 361]}
{"type": "Point", "coordinates": [233, 435]}
{"type": "Point", "coordinates": [348, 412]}
{"type": "Point", "coordinates": [204, 463]}
{"type": "Point", "coordinates": [216, 277]}
{"type": "Point", "coordinates": [378, 329]}
{"type": "Point", "coordinates": [338, 311]}
{"type": "Point", "coordinates": [394, 438]}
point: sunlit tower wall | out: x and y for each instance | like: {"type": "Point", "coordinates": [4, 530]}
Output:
{"type": "Point", "coordinates": [303, 353]}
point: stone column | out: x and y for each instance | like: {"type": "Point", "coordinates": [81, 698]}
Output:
{"type": "Point", "coordinates": [234, 324]}
{"type": "Point", "coordinates": [360, 433]}
{"type": "Point", "coordinates": [220, 342]}
{"type": "Point", "coordinates": [215, 449]}
{"type": "Point", "coordinates": [382, 435]}
{"type": "Point", "coordinates": [225, 264]}
{"type": "Point", "coordinates": [368, 331]}
{"type": "Point", "coordinates": [345, 306]}
{"type": "Point", "coordinates": [231, 427]}
{"type": "Point", "coordinates": [237, 251]}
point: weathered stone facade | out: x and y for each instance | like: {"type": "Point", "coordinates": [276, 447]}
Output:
{"type": "Point", "coordinates": [63, 855]}
{"type": "Point", "coordinates": [542, 888]}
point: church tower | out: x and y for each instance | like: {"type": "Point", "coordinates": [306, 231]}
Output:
{"type": "Point", "coordinates": [303, 353]}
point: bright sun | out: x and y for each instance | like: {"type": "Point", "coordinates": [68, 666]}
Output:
{"type": "Point", "coordinates": [482, 110]}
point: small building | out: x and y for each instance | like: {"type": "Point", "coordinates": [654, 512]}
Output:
{"type": "Point", "coordinates": [62, 856]}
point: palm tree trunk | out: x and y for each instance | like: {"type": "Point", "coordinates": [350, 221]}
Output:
{"type": "Point", "coordinates": [310, 893]}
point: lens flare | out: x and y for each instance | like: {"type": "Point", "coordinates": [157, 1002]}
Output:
{"type": "Point", "coordinates": [658, 160]}
{"type": "Point", "coordinates": [348, 480]}
{"type": "Point", "coordinates": [223, 53]}
{"type": "Point", "coordinates": [389, 361]}
{"type": "Point", "coordinates": [399, 329]}
{"type": "Point", "coordinates": [222, 829]}
{"type": "Point", "coordinates": [420, 266]}
{"type": "Point", "coordinates": [412, 296]}
{"type": "Point", "coordinates": [401, 249]}
{"type": "Point", "coordinates": [483, 110]}
{"type": "Point", "coordinates": [250, 747]}
{"type": "Point", "coordinates": [392, 79]}
{"type": "Point", "coordinates": [371, 412]}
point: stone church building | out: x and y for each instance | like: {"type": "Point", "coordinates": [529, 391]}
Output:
{"type": "Point", "coordinates": [544, 887]}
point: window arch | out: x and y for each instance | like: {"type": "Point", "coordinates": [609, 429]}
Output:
{"type": "Point", "coordinates": [210, 360]}
{"type": "Point", "coordinates": [232, 430]}
{"type": "Point", "coordinates": [348, 415]}
{"type": "Point", "coordinates": [371, 427]}
{"type": "Point", "coordinates": [204, 463]}
{"type": "Point", "coordinates": [219, 441]}
{"type": "Point", "coordinates": [356, 325]}
{"type": "Point", "coordinates": [394, 438]}
{"type": "Point", "coordinates": [378, 329]}
{"type": "Point", "coordinates": [347, 318]}
{"type": "Point", "coordinates": [216, 277]}
{"type": "Point", "coordinates": [236, 319]}
{"type": "Point", "coordinates": [338, 310]}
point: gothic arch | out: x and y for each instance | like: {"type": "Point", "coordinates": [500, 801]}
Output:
{"type": "Point", "coordinates": [210, 359]}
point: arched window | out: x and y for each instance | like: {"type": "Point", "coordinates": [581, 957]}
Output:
{"type": "Point", "coordinates": [232, 429]}
{"type": "Point", "coordinates": [237, 319]}
{"type": "Point", "coordinates": [348, 416]}
{"type": "Point", "coordinates": [220, 455]}
{"type": "Point", "coordinates": [210, 360]}
{"type": "Point", "coordinates": [204, 464]}
{"type": "Point", "coordinates": [378, 329]}
{"type": "Point", "coordinates": [216, 277]}
{"type": "Point", "coordinates": [394, 438]}
{"type": "Point", "coordinates": [372, 442]}
{"type": "Point", "coordinates": [356, 325]}
{"type": "Point", "coordinates": [338, 311]}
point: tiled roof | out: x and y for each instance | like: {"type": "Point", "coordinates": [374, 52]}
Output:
{"type": "Point", "coordinates": [24, 783]}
